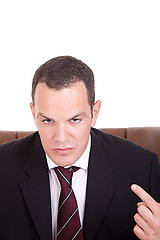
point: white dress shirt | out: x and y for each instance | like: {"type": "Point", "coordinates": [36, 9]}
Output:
{"type": "Point", "coordinates": [79, 182]}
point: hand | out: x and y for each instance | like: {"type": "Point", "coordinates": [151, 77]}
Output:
{"type": "Point", "coordinates": [148, 216]}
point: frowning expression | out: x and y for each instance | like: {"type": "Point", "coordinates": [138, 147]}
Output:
{"type": "Point", "coordinates": [63, 119]}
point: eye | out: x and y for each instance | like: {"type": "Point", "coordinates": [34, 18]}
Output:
{"type": "Point", "coordinates": [47, 121]}
{"type": "Point", "coordinates": [75, 120]}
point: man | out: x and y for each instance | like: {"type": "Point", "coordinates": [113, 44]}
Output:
{"type": "Point", "coordinates": [65, 112]}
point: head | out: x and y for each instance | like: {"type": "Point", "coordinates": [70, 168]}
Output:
{"type": "Point", "coordinates": [62, 72]}
{"type": "Point", "coordinates": [63, 108]}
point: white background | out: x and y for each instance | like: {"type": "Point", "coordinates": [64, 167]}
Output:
{"type": "Point", "coordinates": [119, 40]}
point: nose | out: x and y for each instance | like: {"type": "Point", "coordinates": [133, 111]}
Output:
{"type": "Point", "coordinates": [61, 134]}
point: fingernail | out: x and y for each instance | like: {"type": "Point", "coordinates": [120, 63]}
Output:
{"type": "Point", "coordinates": [134, 187]}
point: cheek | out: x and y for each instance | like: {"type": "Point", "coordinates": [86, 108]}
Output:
{"type": "Point", "coordinates": [82, 137]}
{"type": "Point", "coordinates": [45, 135]}
{"type": "Point", "coordinates": [45, 140]}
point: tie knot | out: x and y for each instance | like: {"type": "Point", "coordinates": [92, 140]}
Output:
{"type": "Point", "coordinates": [65, 175]}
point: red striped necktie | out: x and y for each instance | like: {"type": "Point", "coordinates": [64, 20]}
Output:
{"type": "Point", "coordinates": [68, 222]}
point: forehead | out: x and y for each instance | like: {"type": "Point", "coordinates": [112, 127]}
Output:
{"type": "Point", "coordinates": [77, 88]}
{"type": "Point", "coordinates": [66, 99]}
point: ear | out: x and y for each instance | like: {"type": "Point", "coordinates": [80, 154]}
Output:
{"type": "Point", "coordinates": [96, 109]}
{"type": "Point", "coordinates": [32, 110]}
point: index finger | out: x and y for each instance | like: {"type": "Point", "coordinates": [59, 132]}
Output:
{"type": "Point", "coordinates": [145, 197]}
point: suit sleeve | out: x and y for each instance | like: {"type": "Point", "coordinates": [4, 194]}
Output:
{"type": "Point", "coordinates": [154, 183]}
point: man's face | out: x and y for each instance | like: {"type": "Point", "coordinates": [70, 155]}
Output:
{"type": "Point", "coordinates": [63, 119]}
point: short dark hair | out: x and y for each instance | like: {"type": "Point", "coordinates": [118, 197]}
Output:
{"type": "Point", "coordinates": [63, 71]}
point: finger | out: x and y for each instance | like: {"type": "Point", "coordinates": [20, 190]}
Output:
{"type": "Point", "coordinates": [145, 213]}
{"type": "Point", "coordinates": [140, 221]}
{"type": "Point", "coordinates": [140, 203]}
{"type": "Point", "coordinates": [145, 197]}
{"type": "Point", "coordinates": [139, 232]}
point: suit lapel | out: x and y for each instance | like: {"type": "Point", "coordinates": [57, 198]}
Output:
{"type": "Point", "coordinates": [36, 191]}
{"type": "Point", "coordinates": [99, 190]}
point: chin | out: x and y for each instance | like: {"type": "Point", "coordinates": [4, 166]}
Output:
{"type": "Point", "coordinates": [62, 161]}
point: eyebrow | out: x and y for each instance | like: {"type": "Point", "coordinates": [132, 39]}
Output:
{"type": "Point", "coordinates": [41, 115]}
{"type": "Point", "coordinates": [81, 114]}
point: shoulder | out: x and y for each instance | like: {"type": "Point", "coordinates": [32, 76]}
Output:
{"type": "Point", "coordinates": [18, 147]}
{"type": "Point", "coordinates": [123, 148]}
{"type": "Point", "coordinates": [114, 141]}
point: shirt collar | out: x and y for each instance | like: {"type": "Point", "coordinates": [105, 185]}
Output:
{"type": "Point", "coordinates": [82, 162]}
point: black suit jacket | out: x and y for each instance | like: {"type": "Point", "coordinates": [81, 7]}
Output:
{"type": "Point", "coordinates": [114, 164]}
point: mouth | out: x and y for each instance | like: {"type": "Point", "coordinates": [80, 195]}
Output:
{"type": "Point", "coordinates": [63, 151]}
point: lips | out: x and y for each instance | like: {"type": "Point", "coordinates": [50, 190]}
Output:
{"type": "Point", "coordinates": [63, 151]}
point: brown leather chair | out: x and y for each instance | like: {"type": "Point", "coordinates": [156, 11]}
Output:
{"type": "Point", "coordinates": [148, 137]}
{"type": "Point", "coordinates": [6, 136]}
